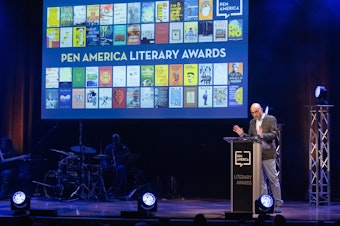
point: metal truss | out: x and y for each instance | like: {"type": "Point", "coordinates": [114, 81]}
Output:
{"type": "Point", "coordinates": [319, 155]}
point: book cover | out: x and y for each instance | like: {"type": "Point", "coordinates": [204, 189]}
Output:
{"type": "Point", "coordinates": [148, 12]}
{"type": "Point", "coordinates": [92, 15]}
{"type": "Point", "coordinates": [176, 10]}
{"type": "Point", "coordinates": [119, 35]}
{"type": "Point", "coordinates": [78, 77]}
{"type": "Point", "coordinates": [65, 93]}
{"type": "Point", "coordinates": [53, 16]}
{"type": "Point", "coordinates": [147, 97]}
{"type": "Point", "coordinates": [162, 75]}
{"type": "Point", "coordinates": [106, 35]}
{"type": "Point", "coordinates": [79, 15]}
{"type": "Point", "coordinates": [133, 97]}
{"type": "Point", "coordinates": [91, 98]}
{"type": "Point", "coordinates": [235, 95]}
{"type": "Point", "coordinates": [147, 34]}
{"type": "Point", "coordinates": [176, 74]}
{"type": "Point", "coordinates": [133, 34]}
{"type": "Point", "coordinates": [190, 74]}
{"type": "Point", "coordinates": [52, 37]}
{"type": "Point", "coordinates": [66, 16]}
{"type": "Point", "coordinates": [133, 75]}
{"type": "Point", "coordinates": [190, 97]}
{"type": "Point", "coordinates": [176, 32]}
{"type": "Point", "coordinates": [105, 98]}
{"type": "Point", "coordinates": [105, 76]}
{"type": "Point", "coordinates": [176, 97]}
{"type": "Point", "coordinates": [65, 74]}
{"type": "Point", "coordinates": [161, 97]}
{"type": "Point", "coordinates": [220, 96]}
{"type": "Point", "coordinates": [220, 72]}
{"type": "Point", "coordinates": [190, 32]}
{"type": "Point", "coordinates": [119, 76]}
{"type": "Point", "coordinates": [206, 9]}
{"type": "Point", "coordinates": [91, 76]}
{"type": "Point", "coordinates": [79, 36]}
{"type": "Point", "coordinates": [66, 37]}
{"type": "Point", "coordinates": [147, 73]}
{"type": "Point", "coordinates": [205, 31]}
{"type": "Point", "coordinates": [205, 73]}
{"type": "Point", "coordinates": [78, 98]}
{"type": "Point", "coordinates": [220, 30]}
{"type": "Point", "coordinates": [162, 34]}
{"type": "Point", "coordinates": [51, 100]}
{"type": "Point", "coordinates": [92, 36]}
{"type": "Point", "coordinates": [235, 75]}
{"type": "Point", "coordinates": [119, 97]}
{"type": "Point", "coordinates": [235, 31]}
{"type": "Point", "coordinates": [133, 12]}
{"type": "Point", "coordinates": [205, 96]}
{"type": "Point", "coordinates": [162, 11]}
{"type": "Point", "coordinates": [120, 13]}
{"type": "Point", "coordinates": [106, 14]}
{"type": "Point", "coordinates": [52, 77]}
{"type": "Point", "coordinates": [190, 10]}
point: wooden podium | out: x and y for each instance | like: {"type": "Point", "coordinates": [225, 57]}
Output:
{"type": "Point", "coordinates": [245, 173]}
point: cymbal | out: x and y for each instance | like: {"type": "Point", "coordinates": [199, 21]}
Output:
{"type": "Point", "coordinates": [83, 149]}
{"type": "Point", "coordinates": [100, 156]}
{"type": "Point", "coordinates": [61, 152]}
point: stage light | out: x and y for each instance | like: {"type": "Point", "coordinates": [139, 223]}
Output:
{"type": "Point", "coordinates": [321, 95]}
{"type": "Point", "coordinates": [264, 205]}
{"type": "Point", "coordinates": [147, 202]}
{"type": "Point", "coordinates": [20, 202]}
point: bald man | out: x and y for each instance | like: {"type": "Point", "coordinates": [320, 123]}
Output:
{"type": "Point", "coordinates": [265, 127]}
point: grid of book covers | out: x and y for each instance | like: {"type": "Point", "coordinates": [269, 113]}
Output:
{"type": "Point", "coordinates": [187, 85]}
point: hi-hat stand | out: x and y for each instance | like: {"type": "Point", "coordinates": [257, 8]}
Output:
{"type": "Point", "coordinates": [83, 190]}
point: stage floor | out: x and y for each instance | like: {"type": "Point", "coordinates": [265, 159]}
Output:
{"type": "Point", "coordinates": [179, 211]}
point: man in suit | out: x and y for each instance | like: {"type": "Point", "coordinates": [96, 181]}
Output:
{"type": "Point", "coordinates": [265, 127]}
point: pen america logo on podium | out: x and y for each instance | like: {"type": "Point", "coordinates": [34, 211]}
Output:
{"type": "Point", "coordinates": [242, 158]}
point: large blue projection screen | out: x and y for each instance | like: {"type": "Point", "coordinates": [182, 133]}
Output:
{"type": "Point", "coordinates": [144, 59]}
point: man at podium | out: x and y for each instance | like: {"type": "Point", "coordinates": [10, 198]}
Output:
{"type": "Point", "coordinates": [265, 127]}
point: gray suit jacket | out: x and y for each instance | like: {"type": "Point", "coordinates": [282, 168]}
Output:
{"type": "Point", "coordinates": [270, 132]}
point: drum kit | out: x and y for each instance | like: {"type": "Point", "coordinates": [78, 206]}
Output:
{"type": "Point", "coordinates": [74, 178]}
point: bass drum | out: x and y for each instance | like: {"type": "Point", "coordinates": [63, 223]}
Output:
{"type": "Point", "coordinates": [59, 185]}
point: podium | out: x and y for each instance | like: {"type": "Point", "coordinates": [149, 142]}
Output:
{"type": "Point", "coordinates": [245, 173]}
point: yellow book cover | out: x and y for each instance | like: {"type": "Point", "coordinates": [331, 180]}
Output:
{"type": "Point", "coordinates": [52, 37]}
{"type": "Point", "coordinates": [161, 75]}
{"type": "Point", "coordinates": [190, 74]}
{"type": "Point", "coordinates": [206, 9]}
{"type": "Point", "coordinates": [176, 74]}
{"type": "Point", "coordinates": [53, 16]}
{"type": "Point", "coordinates": [79, 36]}
{"type": "Point", "coordinates": [92, 16]}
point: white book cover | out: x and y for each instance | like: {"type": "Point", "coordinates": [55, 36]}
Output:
{"type": "Point", "coordinates": [119, 76]}
{"type": "Point", "coordinates": [176, 97]}
{"type": "Point", "coordinates": [220, 74]}
{"type": "Point", "coordinates": [176, 32]}
{"type": "Point", "coordinates": [133, 75]}
{"type": "Point", "coordinates": [65, 37]}
{"type": "Point", "coordinates": [205, 96]}
{"type": "Point", "coordinates": [147, 97]}
{"type": "Point", "coordinates": [105, 97]}
{"type": "Point", "coordinates": [91, 98]}
{"type": "Point", "coordinates": [52, 77]}
{"type": "Point", "coordinates": [120, 13]}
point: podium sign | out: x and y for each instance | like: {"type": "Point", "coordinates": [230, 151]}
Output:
{"type": "Point", "coordinates": [245, 172]}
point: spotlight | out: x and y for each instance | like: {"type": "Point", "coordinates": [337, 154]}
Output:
{"type": "Point", "coordinates": [147, 202]}
{"type": "Point", "coordinates": [20, 202]}
{"type": "Point", "coordinates": [321, 95]}
{"type": "Point", "coordinates": [264, 205]}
